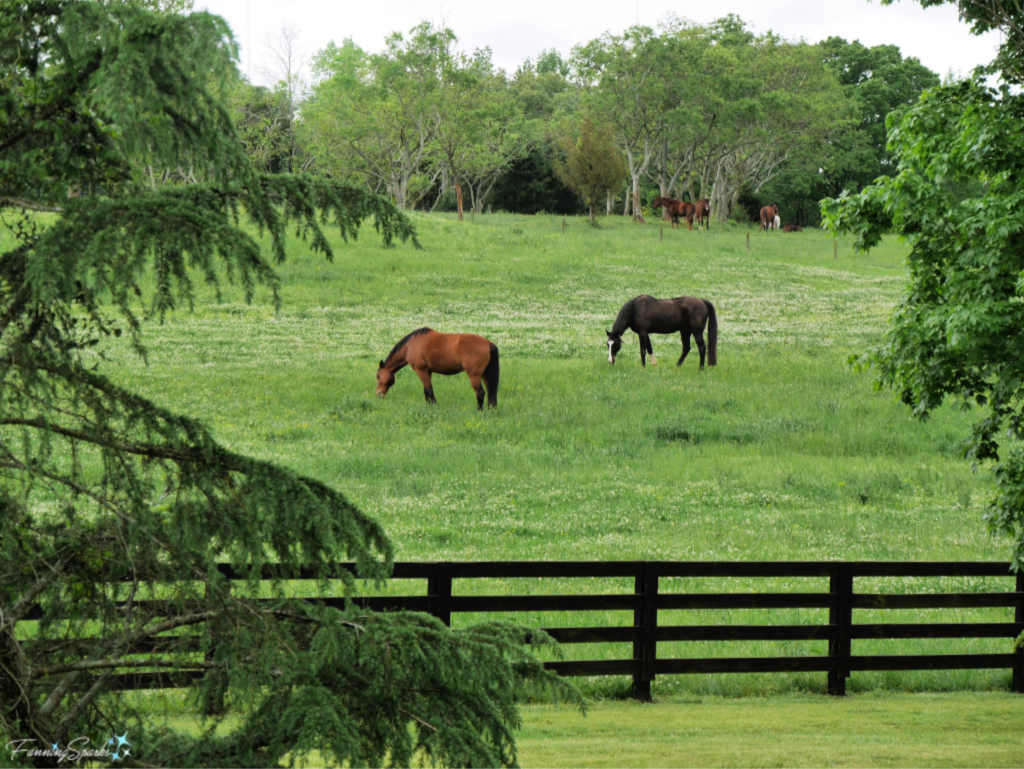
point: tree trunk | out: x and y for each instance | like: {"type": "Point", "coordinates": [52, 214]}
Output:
{"type": "Point", "coordinates": [458, 197]}
{"type": "Point", "coordinates": [610, 202]}
{"type": "Point", "coordinates": [592, 219]}
{"type": "Point", "coordinates": [444, 189]}
{"type": "Point", "coordinates": [398, 187]}
{"type": "Point", "coordinates": [637, 208]}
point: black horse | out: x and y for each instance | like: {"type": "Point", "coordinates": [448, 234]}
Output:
{"type": "Point", "coordinates": [646, 315]}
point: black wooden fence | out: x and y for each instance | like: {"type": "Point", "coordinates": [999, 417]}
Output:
{"type": "Point", "coordinates": [647, 600]}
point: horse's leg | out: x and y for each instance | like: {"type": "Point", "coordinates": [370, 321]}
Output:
{"type": "Point", "coordinates": [478, 388]}
{"type": "Point", "coordinates": [428, 386]}
{"type": "Point", "coordinates": [644, 341]}
{"type": "Point", "coordinates": [650, 351]}
{"type": "Point", "coordinates": [699, 338]}
{"type": "Point", "coordinates": [686, 347]}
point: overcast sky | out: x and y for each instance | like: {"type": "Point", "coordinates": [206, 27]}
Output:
{"type": "Point", "coordinates": [516, 29]}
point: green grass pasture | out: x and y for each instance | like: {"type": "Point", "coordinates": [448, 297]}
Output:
{"type": "Point", "coordinates": [895, 730]}
{"type": "Point", "coordinates": [961, 729]}
{"type": "Point", "coordinates": [780, 452]}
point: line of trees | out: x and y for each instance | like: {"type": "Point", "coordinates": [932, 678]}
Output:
{"type": "Point", "coordinates": [694, 110]}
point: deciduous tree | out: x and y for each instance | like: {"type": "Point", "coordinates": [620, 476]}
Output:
{"type": "Point", "coordinates": [958, 334]}
{"type": "Point", "coordinates": [593, 164]}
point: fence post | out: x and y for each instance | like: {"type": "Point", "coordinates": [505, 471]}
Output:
{"type": "Point", "coordinates": [840, 617]}
{"type": "Point", "coordinates": [1017, 683]}
{"type": "Point", "coordinates": [212, 702]}
{"type": "Point", "coordinates": [563, 225]}
{"type": "Point", "coordinates": [439, 588]}
{"type": "Point", "coordinates": [645, 619]}
{"type": "Point", "coordinates": [748, 242]}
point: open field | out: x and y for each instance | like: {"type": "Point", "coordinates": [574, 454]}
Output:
{"type": "Point", "coordinates": [780, 452]}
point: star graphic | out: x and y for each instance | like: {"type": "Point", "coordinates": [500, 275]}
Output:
{"type": "Point", "coordinates": [54, 746]}
{"type": "Point", "coordinates": [127, 752]}
{"type": "Point", "coordinates": [115, 757]}
{"type": "Point", "coordinates": [121, 740]}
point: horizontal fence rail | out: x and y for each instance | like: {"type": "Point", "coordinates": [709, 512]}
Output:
{"type": "Point", "coordinates": [646, 600]}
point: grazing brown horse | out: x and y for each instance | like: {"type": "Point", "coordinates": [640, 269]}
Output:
{"type": "Point", "coordinates": [703, 213]}
{"type": "Point", "coordinates": [429, 352]}
{"type": "Point", "coordinates": [676, 209]}
{"type": "Point", "coordinates": [788, 227]}
{"type": "Point", "coordinates": [768, 216]}
{"type": "Point", "coordinates": [646, 315]}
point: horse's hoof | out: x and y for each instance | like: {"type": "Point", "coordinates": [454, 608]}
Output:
{"type": "Point", "coordinates": [653, 361]}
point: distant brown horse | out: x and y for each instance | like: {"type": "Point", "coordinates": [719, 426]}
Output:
{"type": "Point", "coordinates": [703, 213]}
{"type": "Point", "coordinates": [429, 352]}
{"type": "Point", "coordinates": [646, 315]}
{"type": "Point", "coordinates": [788, 227]}
{"type": "Point", "coordinates": [676, 209]}
{"type": "Point", "coordinates": [768, 216]}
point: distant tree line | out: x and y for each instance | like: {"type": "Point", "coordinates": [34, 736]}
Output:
{"type": "Point", "coordinates": [694, 111]}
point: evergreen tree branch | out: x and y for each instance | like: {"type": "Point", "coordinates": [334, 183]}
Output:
{"type": "Point", "coordinates": [29, 205]}
{"type": "Point", "coordinates": [125, 663]}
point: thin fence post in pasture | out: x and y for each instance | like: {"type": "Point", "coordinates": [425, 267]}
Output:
{"type": "Point", "coordinates": [1017, 683]}
{"type": "Point", "coordinates": [439, 588]}
{"type": "Point", "coordinates": [840, 617]}
{"type": "Point", "coordinates": [748, 241]}
{"type": "Point", "coordinates": [212, 702]}
{"type": "Point", "coordinates": [645, 622]}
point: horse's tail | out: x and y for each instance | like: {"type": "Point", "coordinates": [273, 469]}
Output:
{"type": "Point", "coordinates": [712, 334]}
{"type": "Point", "coordinates": [491, 376]}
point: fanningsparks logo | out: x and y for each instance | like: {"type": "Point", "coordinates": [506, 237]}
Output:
{"type": "Point", "coordinates": [115, 749]}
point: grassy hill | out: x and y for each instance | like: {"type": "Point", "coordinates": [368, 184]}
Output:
{"type": "Point", "coordinates": [582, 459]}
{"type": "Point", "coordinates": [780, 452]}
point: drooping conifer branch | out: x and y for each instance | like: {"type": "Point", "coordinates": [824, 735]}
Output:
{"type": "Point", "coordinates": [118, 514]}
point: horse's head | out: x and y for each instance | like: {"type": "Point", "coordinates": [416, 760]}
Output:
{"type": "Point", "coordinates": [614, 345]}
{"type": "Point", "coordinates": [385, 379]}
{"type": "Point", "coordinates": [658, 202]}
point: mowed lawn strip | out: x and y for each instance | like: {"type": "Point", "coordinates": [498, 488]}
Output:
{"type": "Point", "coordinates": [953, 730]}
{"type": "Point", "coordinates": [964, 729]}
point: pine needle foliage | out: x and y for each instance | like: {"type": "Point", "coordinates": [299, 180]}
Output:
{"type": "Point", "coordinates": [116, 515]}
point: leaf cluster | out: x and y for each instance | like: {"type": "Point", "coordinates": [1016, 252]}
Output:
{"type": "Point", "coordinates": [958, 332]}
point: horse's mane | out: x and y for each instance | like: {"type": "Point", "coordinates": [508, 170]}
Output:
{"type": "Point", "coordinates": [402, 341]}
{"type": "Point", "coordinates": [624, 317]}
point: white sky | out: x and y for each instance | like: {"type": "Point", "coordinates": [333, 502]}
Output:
{"type": "Point", "coordinates": [516, 29]}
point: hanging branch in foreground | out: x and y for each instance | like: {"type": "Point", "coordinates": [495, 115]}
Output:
{"type": "Point", "coordinates": [115, 513]}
